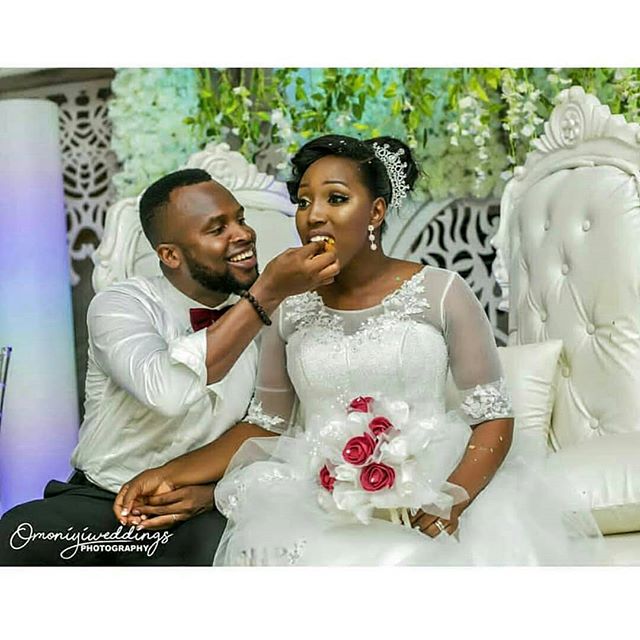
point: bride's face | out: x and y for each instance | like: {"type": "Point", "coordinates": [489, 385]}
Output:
{"type": "Point", "coordinates": [334, 202]}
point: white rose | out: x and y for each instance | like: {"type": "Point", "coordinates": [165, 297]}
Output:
{"type": "Point", "coordinates": [346, 473]}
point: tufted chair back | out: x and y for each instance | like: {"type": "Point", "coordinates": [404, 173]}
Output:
{"type": "Point", "coordinates": [124, 250]}
{"type": "Point", "coordinates": [568, 260]}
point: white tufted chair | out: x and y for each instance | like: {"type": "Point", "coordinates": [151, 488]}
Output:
{"type": "Point", "coordinates": [569, 266]}
{"type": "Point", "coordinates": [124, 250]}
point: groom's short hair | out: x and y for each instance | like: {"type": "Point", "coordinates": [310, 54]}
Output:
{"type": "Point", "coordinates": [156, 197]}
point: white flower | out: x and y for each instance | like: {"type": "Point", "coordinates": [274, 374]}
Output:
{"type": "Point", "coordinates": [528, 130]}
{"type": "Point", "coordinates": [346, 472]}
{"type": "Point", "coordinates": [147, 114]}
{"type": "Point", "coordinates": [353, 500]}
{"type": "Point", "coordinates": [342, 120]}
{"type": "Point", "coordinates": [395, 451]}
{"type": "Point", "coordinates": [397, 411]}
{"type": "Point", "coordinates": [357, 423]}
{"type": "Point", "coordinates": [467, 102]}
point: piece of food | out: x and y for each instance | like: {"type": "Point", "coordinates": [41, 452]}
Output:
{"type": "Point", "coordinates": [329, 244]}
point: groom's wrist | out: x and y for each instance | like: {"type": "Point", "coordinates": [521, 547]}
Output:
{"type": "Point", "coordinates": [170, 472]}
{"type": "Point", "coordinates": [266, 296]}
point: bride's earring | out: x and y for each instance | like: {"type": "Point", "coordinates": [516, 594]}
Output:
{"type": "Point", "coordinates": [372, 238]}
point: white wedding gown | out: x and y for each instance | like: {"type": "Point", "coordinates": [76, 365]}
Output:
{"type": "Point", "coordinates": [314, 361]}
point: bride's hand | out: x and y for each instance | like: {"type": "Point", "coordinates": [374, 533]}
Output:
{"type": "Point", "coordinates": [427, 524]}
{"type": "Point", "coordinates": [166, 509]}
{"type": "Point", "coordinates": [133, 494]}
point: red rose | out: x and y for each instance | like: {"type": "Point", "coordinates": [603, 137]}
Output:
{"type": "Point", "coordinates": [361, 404]}
{"type": "Point", "coordinates": [380, 425]}
{"type": "Point", "coordinates": [377, 476]}
{"type": "Point", "coordinates": [326, 479]}
{"type": "Point", "coordinates": [359, 449]}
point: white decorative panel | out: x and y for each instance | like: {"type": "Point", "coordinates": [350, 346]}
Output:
{"type": "Point", "coordinates": [455, 235]}
{"type": "Point", "coordinates": [88, 163]}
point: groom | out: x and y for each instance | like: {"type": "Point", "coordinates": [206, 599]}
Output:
{"type": "Point", "coordinates": [172, 364]}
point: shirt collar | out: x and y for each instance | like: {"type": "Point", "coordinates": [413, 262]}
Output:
{"type": "Point", "coordinates": [179, 303]}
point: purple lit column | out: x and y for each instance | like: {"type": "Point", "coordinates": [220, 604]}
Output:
{"type": "Point", "coordinates": [40, 419]}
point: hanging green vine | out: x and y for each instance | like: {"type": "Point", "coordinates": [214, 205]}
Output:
{"type": "Point", "coordinates": [469, 127]}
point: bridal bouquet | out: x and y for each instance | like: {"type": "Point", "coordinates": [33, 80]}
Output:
{"type": "Point", "coordinates": [373, 459]}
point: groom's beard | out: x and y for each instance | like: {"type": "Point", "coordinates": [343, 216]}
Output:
{"type": "Point", "coordinates": [214, 281]}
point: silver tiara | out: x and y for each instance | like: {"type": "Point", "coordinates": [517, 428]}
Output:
{"type": "Point", "coordinates": [396, 172]}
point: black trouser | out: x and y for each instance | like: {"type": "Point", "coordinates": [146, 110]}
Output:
{"type": "Point", "coordinates": [51, 531]}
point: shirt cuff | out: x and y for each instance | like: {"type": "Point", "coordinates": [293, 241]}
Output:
{"type": "Point", "coordinates": [191, 351]}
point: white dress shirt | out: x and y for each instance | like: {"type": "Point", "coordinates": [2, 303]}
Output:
{"type": "Point", "coordinates": [147, 400]}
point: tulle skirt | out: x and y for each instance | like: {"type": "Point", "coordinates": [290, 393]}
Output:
{"type": "Point", "coordinates": [527, 515]}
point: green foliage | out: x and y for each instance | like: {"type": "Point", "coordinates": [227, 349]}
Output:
{"type": "Point", "coordinates": [468, 127]}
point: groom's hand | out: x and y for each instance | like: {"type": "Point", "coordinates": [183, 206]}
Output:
{"type": "Point", "coordinates": [298, 270]}
{"type": "Point", "coordinates": [164, 510]}
{"type": "Point", "coordinates": [133, 494]}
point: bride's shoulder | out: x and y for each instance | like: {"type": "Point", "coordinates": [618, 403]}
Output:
{"type": "Point", "coordinates": [436, 283]}
{"type": "Point", "coordinates": [440, 277]}
{"type": "Point", "coordinates": [304, 305]}
{"type": "Point", "coordinates": [415, 268]}
{"type": "Point", "coordinates": [440, 272]}
{"type": "Point", "coordinates": [432, 274]}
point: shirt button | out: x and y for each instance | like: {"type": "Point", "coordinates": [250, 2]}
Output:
{"type": "Point", "coordinates": [547, 224]}
{"type": "Point", "coordinates": [590, 329]}
{"type": "Point", "coordinates": [594, 423]}
{"type": "Point", "coordinates": [565, 269]}
{"type": "Point", "coordinates": [586, 225]}
{"type": "Point", "coordinates": [543, 316]}
{"type": "Point", "coordinates": [565, 372]}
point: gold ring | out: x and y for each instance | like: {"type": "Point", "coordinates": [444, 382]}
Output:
{"type": "Point", "coordinates": [175, 518]}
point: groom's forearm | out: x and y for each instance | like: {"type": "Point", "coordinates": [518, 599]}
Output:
{"type": "Point", "coordinates": [487, 448]}
{"type": "Point", "coordinates": [208, 464]}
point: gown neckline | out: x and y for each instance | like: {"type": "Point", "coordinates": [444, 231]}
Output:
{"type": "Point", "coordinates": [404, 285]}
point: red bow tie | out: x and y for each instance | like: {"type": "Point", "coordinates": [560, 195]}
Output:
{"type": "Point", "coordinates": [202, 318]}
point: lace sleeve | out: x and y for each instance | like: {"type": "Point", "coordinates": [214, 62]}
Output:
{"type": "Point", "coordinates": [274, 401]}
{"type": "Point", "coordinates": [473, 355]}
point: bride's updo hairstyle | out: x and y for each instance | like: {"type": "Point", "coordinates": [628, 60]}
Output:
{"type": "Point", "coordinates": [374, 173]}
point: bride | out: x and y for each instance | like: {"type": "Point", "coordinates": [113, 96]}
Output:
{"type": "Point", "coordinates": [367, 467]}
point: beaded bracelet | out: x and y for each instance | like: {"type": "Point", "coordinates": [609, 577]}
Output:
{"type": "Point", "coordinates": [257, 306]}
